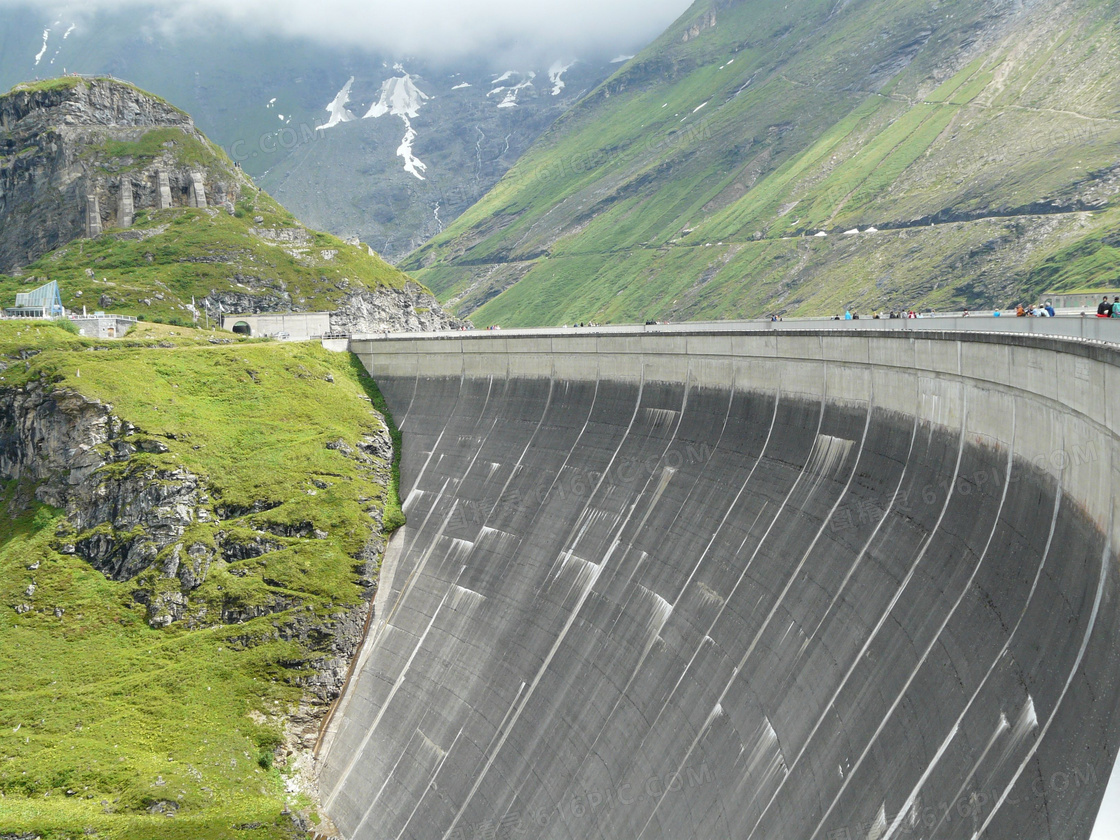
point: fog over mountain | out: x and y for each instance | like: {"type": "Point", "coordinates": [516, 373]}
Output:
{"type": "Point", "coordinates": [381, 122]}
{"type": "Point", "coordinates": [428, 29]}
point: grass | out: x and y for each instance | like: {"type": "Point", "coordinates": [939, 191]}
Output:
{"type": "Point", "coordinates": [192, 253]}
{"type": "Point", "coordinates": [1086, 265]}
{"type": "Point", "coordinates": [61, 83]}
{"type": "Point", "coordinates": [780, 122]}
{"type": "Point", "coordinates": [127, 155]}
{"type": "Point", "coordinates": [104, 718]}
{"type": "Point", "coordinates": [890, 269]}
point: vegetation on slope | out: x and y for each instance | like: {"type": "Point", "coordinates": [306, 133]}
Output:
{"type": "Point", "coordinates": [117, 156]}
{"type": "Point", "coordinates": [111, 728]}
{"type": "Point", "coordinates": [58, 83]}
{"type": "Point", "coordinates": [171, 258]}
{"type": "Point", "coordinates": [978, 142]}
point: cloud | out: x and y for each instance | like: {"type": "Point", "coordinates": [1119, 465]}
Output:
{"type": "Point", "coordinates": [431, 29]}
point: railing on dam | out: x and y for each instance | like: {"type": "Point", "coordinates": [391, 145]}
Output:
{"type": "Point", "coordinates": [1085, 329]}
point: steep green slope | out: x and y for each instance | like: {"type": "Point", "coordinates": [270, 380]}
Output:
{"type": "Point", "coordinates": [977, 139]}
{"type": "Point", "coordinates": [171, 258]}
{"type": "Point", "coordinates": [110, 725]}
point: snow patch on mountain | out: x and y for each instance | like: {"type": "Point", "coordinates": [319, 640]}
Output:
{"type": "Point", "coordinates": [462, 85]}
{"type": "Point", "coordinates": [556, 75]}
{"type": "Point", "coordinates": [412, 164]}
{"type": "Point", "coordinates": [400, 97]}
{"type": "Point", "coordinates": [510, 93]}
{"type": "Point", "coordinates": [39, 55]}
{"type": "Point", "coordinates": [337, 109]}
{"type": "Point", "coordinates": [618, 59]}
{"type": "Point", "coordinates": [58, 49]}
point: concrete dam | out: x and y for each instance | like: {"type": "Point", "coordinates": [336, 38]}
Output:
{"type": "Point", "coordinates": [808, 584]}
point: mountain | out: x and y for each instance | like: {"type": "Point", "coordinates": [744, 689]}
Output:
{"type": "Point", "coordinates": [272, 120]}
{"type": "Point", "coordinates": [116, 195]}
{"type": "Point", "coordinates": [401, 154]}
{"type": "Point", "coordinates": [810, 156]}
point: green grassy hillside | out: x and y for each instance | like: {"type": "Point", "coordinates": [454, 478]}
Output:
{"type": "Point", "coordinates": [170, 258]}
{"type": "Point", "coordinates": [113, 729]}
{"type": "Point", "coordinates": [979, 141]}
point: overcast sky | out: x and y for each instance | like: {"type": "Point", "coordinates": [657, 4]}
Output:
{"type": "Point", "coordinates": [423, 28]}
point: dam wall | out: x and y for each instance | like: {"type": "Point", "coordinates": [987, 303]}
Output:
{"type": "Point", "coordinates": [810, 583]}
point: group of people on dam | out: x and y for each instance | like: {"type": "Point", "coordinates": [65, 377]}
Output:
{"type": "Point", "coordinates": [1109, 310]}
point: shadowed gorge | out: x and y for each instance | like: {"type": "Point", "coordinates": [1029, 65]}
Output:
{"type": "Point", "coordinates": [804, 586]}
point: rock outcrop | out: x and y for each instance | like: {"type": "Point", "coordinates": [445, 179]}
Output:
{"type": "Point", "coordinates": [72, 164]}
{"type": "Point", "coordinates": [135, 516]}
{"type": "Point", "coordinates": [124, 510]}
{"type": "Point", "coordinates": [128, 509]}
{"type": "Point", "coordinates": [75, 101]}
{"type": "Point", "coordinates": [411, 309]}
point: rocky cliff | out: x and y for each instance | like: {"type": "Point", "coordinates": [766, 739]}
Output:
{"type": "Point", "coordinates": [81, 156]}
{"type": "Point", "coordinates": [135, 515]}
{"type": "Point", "coordinates": [410, 308]}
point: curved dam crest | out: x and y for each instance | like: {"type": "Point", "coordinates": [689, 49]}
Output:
{"type": "Point", "coordinates": [810, 584]}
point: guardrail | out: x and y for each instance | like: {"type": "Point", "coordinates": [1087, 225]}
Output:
{"type": "Point", "coordinates": [1105, 330]}
{"type": "Point", "coordinates": [91, 316]}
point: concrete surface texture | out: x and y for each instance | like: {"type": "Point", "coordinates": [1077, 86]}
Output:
{"type": "Point", "coordinates": [776, 585]}
{"type": "Point", "coordinates": [289, 326]}
{"type": "Point", "coordinates": [103, 326]}
{"type": "Point", "coordinates": [126, 206]}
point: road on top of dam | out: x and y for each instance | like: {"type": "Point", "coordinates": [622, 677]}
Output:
{"type": "Point", "coordinates": [807, 587]}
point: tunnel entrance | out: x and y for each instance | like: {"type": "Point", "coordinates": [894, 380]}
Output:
{"type": "Point", "coordinates": [242, 328]}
